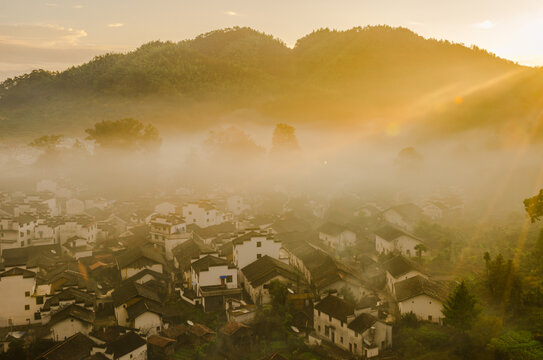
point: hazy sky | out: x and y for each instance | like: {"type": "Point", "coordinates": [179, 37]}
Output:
{"type": "Point", "coordinates": [55, 34]}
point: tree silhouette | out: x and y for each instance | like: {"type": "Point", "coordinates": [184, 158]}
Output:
{"type": "Point", "coordinates": [460, 308]}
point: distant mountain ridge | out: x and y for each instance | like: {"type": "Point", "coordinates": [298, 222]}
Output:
{"type": "Point", "coordinates": [329, 78]}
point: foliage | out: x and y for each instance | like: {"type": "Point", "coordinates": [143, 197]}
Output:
{"type": "Point", "coordinates": [534, 206]}
{"type": "Point", "coordinates": [503, 282]}
{"type": "Point", "coordinates": [47, 142]}
{"type": "Point", "coordinates": [460, 309]}
{"type": "Point", "coordinates": [517, 345]}
{"type": "Point", "coordinates": [232, 141]}
{"type": "Point", "coordinates": [284, 139]}
{"type": "Point", "coordinates": [124, 134]}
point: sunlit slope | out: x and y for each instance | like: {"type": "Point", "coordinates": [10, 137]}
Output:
{"type": "Point", "coordinates": [373, 75]}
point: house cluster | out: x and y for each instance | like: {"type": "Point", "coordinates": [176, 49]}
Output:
{"type": "Point", "coordinates": [102, 278]}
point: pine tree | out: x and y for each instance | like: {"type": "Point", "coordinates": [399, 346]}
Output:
{"type": "Point", "coordinates": [460, 308]}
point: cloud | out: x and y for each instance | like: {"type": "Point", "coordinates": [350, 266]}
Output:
{"type": "Point", "coordinates": [115, 25]}
{"type": "Point", "coordinates": [232, 13]}
{"type": "Point", "coordinates": [78, 6]}
{"type": "Point", "coordinates": [40, 35]}
{"type": "Point", "coordinates": [487, 24]}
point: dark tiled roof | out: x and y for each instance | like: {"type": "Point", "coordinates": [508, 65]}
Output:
{"type": "Point", "coordinates": [76, 347]}
{"type": "Point", "coordinates": [213, 230]}
{"type": "Point", "coordinates": [130, 290]}
{"type": "Point", "coordinates": [389, 232]}
{"type": "Point", "coordinates": [249, 235]}
{"type": "Point", "coordinates": [265, 269]}
{"type": "Point", "coordinates": [72, 311]}
{"type": "Point", "coordinates": [200, 330]}
{"type": "Point", "coordinates": [17, 272]}
{"type": "Point", "coordinates": [143, 306]}
{"type": "Point", "coordinates": [400, 265]}
{"type": "Point", "coordinates": [134, 254]}
{"type": "Point", "coordinates": [208, 261]}
{"type": "Point", "coordinates": [176, 331]}
{"type": "Point", "coordinates": [80, 297]}
{"type": "Point", "coordinates": [20, 256]}
{"type": "Point", "coordinates": [125, 344]}
{"type": "Point", "coordinates": [331, 228]}
{"type": "Point", "coordinates": [232, 327]}
{"type": "Point", "coordinates": [335, 307]}
{"type": "Point", "coordinates": [188, 250]}
{"type": "Point", "coordinates": [362, 322]}
{"type": "Point", "coordinates": [159, 341]}
{"type": "Point", "coordinates": [419, 285]}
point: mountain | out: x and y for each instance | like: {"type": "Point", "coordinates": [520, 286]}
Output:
{"type": "Point", "coordinates": [373, 75]}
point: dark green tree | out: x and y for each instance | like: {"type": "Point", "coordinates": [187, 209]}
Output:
{"type": "Point", "coordinates": [125, 134]}
{"type": "Point", "coordinates": [460, 309]}
{"type": "Point", "coordinates": [534, 206]}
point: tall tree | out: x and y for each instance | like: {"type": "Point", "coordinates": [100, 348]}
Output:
{"type": "Point", "coordinates": [460, 308]}
{"type": "Point", "coordinates": [125, 134]}
{"type": "Point", "coordinates": [420, 248]}
{"type": "Point", "coordinates": [284, 139]}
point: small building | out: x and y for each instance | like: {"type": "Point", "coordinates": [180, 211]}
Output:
{"type": "Point", "coordinates": [128, 346]}
{"type": "Point", "coordinates": [137, 259]}
{"type": "Point", "coordinates": [398, 269]}
{"type": "Point", "coordinates": [258, 275]}
{"type": "Point", "coordinates": [405, 216]}
{"type": "Point", "coordinates": [69, 321]}
{"type": "Point", "coordinates": [76, 347]}
{"type": "Point", "coordinates": [253, 245]}
{"type": "Point", "coordinates": [236, 336]}
{"type": "Point", "coordinates": [160, 347]}
{"type": "Point", "coordinates": [422, 297]}
{"type": "Point", "coordinates": [336, 236]}
{"type": "Point", "coordinates": [390, 238]}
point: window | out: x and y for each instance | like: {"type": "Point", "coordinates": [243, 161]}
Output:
{"type": "Point", "coordinates": [342, 324]}
{"type": "Point", "coordinates": [329, 318]}
{"type": "Point", "coordinates": [319, 313]}
{"type": "Point", "coordinates": [27, 293]}
{"type": "Point", "coordinates": [27, 307]}
{"type": "Point", "coordinates": [350, 347]}
{"type": "Point", "coordinates": [258, 256]}
{"type": "Point", "coordinates": [319, 328]}
{"type": "Point", "coordinates": [430, 302]}
{"type": "Point", "coordinates": [229, 278]}
{"type": "Point", "coordinates": [341, 339]}
{"type": "Point", "coordinates": [259, 244]}
{"type": "Point", "coordinates": [37, 316]}
{"type": "Point", "coordinates": [429, 317]}
{"type": "Point", "coordinates": [39, 300]}
{"type": "Point", "coordinates": [326, 330]}
{"type": "Point", "coordinates": [355, 347]}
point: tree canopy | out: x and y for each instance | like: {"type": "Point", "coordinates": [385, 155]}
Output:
{"type": "Point", "coordinates": [125, 134]}
{"type": "Point", "coordinates": [460, 309]}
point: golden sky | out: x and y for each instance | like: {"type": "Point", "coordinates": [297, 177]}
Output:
{"type": "Point", "coordinates": [55, 34]}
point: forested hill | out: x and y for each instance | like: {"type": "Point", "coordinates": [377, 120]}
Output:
{"type": "Point", "coordinates": [329, 77]}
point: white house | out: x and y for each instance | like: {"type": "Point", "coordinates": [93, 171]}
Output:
{"type": "Point", "coordinates": [125, 301]}
{"type": "Point", "coordinates": [82, 226]}
{"type": "Point", "coordinates": [169, 230]}
{"type": "Point", "coordinates": [127, 347]}
{"type": "Point", "coordinates": [146, 316]}
{"type": "Point", "coordinates": [337, 321]}
{"type": "Point", "coordinates": [134, 260]}
{"type": "Point", "coordinates": [398, 269]}
{"type": "Point", "coordinates": [203, 214]}
{"type": "Point", "coordinates": [390, 238]}
{"type": "Point", "coordinates": [252, 246]}
{"type": "Point", "coordinates": [70, 320]}
{"type": "Point", "coordinates": [336, 236]}
{"type": "Point", "coordinates": [422, 297]}
{"type": "Point", "coordinates": [19, 306]}
{"type": "Point", "coordinates": [214, 279]}
{"type": "Point", "coordinates": [258, 275]}
{"type": "Point", "coordinates": [17, 231]}
{"type": "Point", "coordinates": [405, 216]}
{"type": "Point", "coordinates": [210, 270]}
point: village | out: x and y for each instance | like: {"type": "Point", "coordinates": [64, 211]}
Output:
{"type": "Point", "coordinates": [206, 275]}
